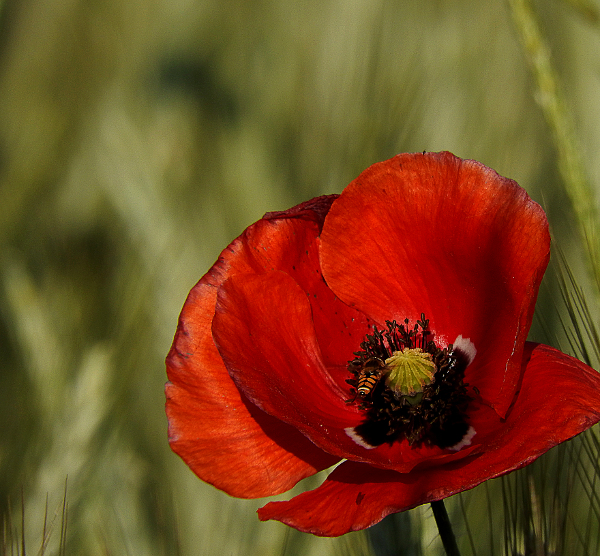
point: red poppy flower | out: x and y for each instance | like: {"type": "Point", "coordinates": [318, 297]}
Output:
{"type": "Point", "coordinates": [384, 328]}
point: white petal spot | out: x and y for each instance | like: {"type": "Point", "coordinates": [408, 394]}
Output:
{"type": "Point", "coordinates": [358, 439]}
{"type": "Point", "coordinates": [465, 441]}
{"type": "Point", "coordinates": [466, 346]}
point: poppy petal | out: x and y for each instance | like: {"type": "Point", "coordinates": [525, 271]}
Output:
{"type": "Point", "coordinates": [449, 238]}
{"type": "Point", "coordinates": [339, 328]}
{"type": "Point", "coordinates": [287, 241]}
{"type": "Point", "coordinates": [223, 438]}
{"type": "Point", "coordinates": [355, 496]}
{"type": "Point", "coordinates": [275, 359]}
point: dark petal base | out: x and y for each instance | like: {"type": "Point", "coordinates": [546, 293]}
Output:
{"type": "Point", "coordinates": [440, 416]}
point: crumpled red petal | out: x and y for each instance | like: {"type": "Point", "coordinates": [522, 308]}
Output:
{"type": "Point", "coordinates": [224, 439]}
{"type": "Point", "coordinates": [559, 398]}
{"type": "Point", "coordinates": [450, 238]}
{"type": "Point", "coordinates": [275, 359]}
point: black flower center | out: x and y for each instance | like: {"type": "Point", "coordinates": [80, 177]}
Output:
{"type": "Point", "coordinates": [408, 387]}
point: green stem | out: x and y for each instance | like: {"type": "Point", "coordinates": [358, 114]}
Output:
{"type": "Point", "coordinates": [445, 528]}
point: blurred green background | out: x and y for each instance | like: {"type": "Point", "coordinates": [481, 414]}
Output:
{"type": "Point", "coordinates": [138, 138]}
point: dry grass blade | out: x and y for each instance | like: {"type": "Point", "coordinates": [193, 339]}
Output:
{"type": "Point", "coordinates": [63, 524]}
{"type": "Point", "coordinates": [582, 332]}
{"type": "Point", "coordinates": [14, 540]}
{"type": "Point", "coordinates": [23, 552]}
{"type": "Point", "coordinates": [467, 524]}
{"type": "Point", "coordinates": [45, 532]}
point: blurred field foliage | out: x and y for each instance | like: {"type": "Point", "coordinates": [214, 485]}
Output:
{"type": "Point", "coordinates": [138, 138]}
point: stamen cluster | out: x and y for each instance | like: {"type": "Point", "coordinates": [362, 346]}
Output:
{"type": "Point", "coordinates": [438, 417]}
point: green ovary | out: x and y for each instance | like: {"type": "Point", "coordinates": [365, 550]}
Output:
{"type": "Point", "coordinates": [409, 371]}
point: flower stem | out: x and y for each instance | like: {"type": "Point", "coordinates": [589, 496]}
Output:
{"type": "Point", "coordinates": [445, 528]}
